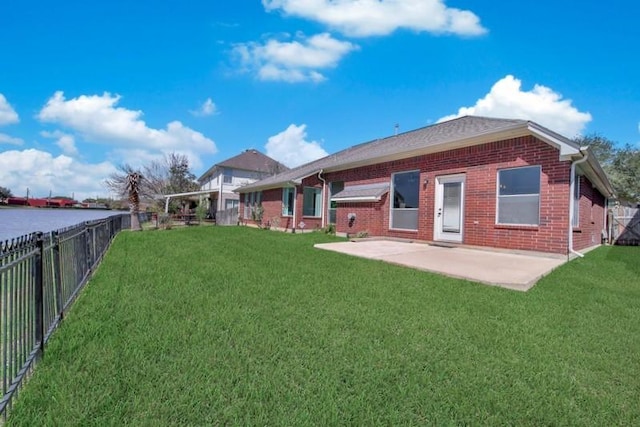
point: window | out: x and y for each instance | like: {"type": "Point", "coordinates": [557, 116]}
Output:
{"type": "Point", "coordinates": [227, 177]}
{"type": "Point", "coordinates": [231, 204]}
{"type": "Point", "coordinates": [288, 199]}
{"type": "Point", "coordinates": [334, 188]}
{"type": "Point", "coordinates": [575, 220]}
{"type": "Point", "coordinates": [311, 201]}
{"type": "Point", "coordinates": [405, 196]}
{"type": "Point", "coordinates": [251, 200]}
{"type": "Point", "coordinates": [519, 196]}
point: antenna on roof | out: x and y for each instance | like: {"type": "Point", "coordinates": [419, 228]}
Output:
{"type": "Point", "coordinates": [397, 126]}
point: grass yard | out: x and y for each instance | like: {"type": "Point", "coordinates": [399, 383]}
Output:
{"type": "Point", "coordinates": [229, 325]}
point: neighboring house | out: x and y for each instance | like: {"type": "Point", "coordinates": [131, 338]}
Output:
{"type": "Point", "coordinates": [473, 180]}
{"type": "Point", "coordinates": [220, 181]}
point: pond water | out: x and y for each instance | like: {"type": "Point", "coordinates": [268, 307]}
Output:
{"type": "Point", "coordinates": [15, 222]}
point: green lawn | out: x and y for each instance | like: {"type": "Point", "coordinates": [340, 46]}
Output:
{"type": "Point", "coordinates": [219, 325]}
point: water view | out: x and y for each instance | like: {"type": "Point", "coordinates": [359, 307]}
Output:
{"type": "Point", "coordinates": [15, 222]}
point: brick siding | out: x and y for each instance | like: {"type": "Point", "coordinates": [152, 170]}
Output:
{"type": "Point", "coordinates": [480, 164]}
{"type": "Point", "coordinates": [591, 216]}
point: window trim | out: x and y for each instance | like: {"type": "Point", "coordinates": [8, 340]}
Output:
{"type": "Point", "coordinates": [227, 174]}
{"type": "Point", "coordinates": [318, 199]}
{"type": "Point", "coordinates": [392, 192]}
{"type": "Point", "coordinates": [513, 224]}
{"type": "Point", "coordinates": [293, 207]}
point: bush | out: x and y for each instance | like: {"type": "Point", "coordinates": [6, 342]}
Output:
{"type": "Point", "coordinates": [330, 229]}
{"type": "Point", "coordinates": [165, 221]}
{"type": "Point", "coordinates": [256, 215]}
{"type": "Point", "coordinates": [201, 212]}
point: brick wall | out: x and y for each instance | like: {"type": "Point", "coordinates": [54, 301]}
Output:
{"type": "Point", "coordinates": [272, 205]}
{"type": "Point", "coordinates": [480, 165]}
{"type": "Point", "coordinates": [591, 216]}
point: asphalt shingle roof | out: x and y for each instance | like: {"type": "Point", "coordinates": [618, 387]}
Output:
{"type": "Point", "coordinates": [431, 136]}
{"type": "Point", "coordinates": [250, 160]}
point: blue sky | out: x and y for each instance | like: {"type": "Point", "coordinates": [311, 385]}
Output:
{"type": "Point", "coordinates": [86, 86]}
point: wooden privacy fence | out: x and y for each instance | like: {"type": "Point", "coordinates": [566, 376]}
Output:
{"type": "Point", "coordinates": [625, 225]}
{"type": "Point", "coordinates": [40, 277]}
{"type": "Point", "coordinates": [227, 217]}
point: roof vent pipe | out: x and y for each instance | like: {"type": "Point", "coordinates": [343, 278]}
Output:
{"type": "Point", "coordinates": [396, 127]}
{"type": "Point", "coordinates": [572, 188]}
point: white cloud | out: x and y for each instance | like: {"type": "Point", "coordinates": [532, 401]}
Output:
{"type": "Point", "coordinates": [291, 148]}
{"type": "Point", "coordinates": [542, 105]}
{"type": "Point", "coordinates": [98, 119]}
{"type": "Point", "coordinates": [363, 18]}
{"type": "Point", "coordinates": [7, 114]}
{"type": "Point", "coordinates": [41, 172]}
{"type": "Point", "coordinates": [67, 143]}
{"type": "Point", "coordinates": [7, 139]}
{"type": "Point", "coordinates": [293, 61]}
{"type": "Point", "coordinates": [208, 108]}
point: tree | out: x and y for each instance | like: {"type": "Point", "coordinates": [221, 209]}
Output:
{"type": "Point", "coordinates": [168, 175]}
{"type": "Point", "coordinates": [621, 164]}
{"type": "Point", "coordinates": [181, 180]}
{"type": "Point", "coordinates": [626, 166]}
{"type": "Point", "coordinates": [5, 193]}
{"type": "Point", "coordinates": [133, 188]}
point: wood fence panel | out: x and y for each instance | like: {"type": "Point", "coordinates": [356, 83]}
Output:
{"type": "Point", "coordinates": [626, 225]}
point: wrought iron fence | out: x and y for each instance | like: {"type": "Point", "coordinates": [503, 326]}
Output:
{"type": "Point", "coordinates": [40, 277]}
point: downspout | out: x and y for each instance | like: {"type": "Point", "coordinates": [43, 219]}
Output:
{"type": "Point", "coordinates": [220, 179]}
{"type": "Point", "coordinates": [323, 211]}
{"type": "Point", "coordinates": [572, 201]}
{"type": "Point", "coordinates": [295, 208]}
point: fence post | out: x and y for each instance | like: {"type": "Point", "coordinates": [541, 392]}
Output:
{"type": "Point", "coordinates": [94, 245]}
{"type": "Point", "coordinates": [39, 291]}
{"type": "Point", "coordinates": [87, 240]}
{"type": "Point", "coordinates": [57, 268]}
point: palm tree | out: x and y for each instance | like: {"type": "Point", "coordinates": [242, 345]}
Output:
{"type": "Point", "coordinates": [133, 188]}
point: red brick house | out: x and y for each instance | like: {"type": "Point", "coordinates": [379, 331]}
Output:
{"type": "Point", "coordinates": [473, 180]}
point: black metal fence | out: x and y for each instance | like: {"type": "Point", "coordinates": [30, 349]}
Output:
{"type": "Point", "coordinates": [40, 277]}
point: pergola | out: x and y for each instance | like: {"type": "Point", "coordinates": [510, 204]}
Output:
{"type": "Point", "coordinates": [168, 197]}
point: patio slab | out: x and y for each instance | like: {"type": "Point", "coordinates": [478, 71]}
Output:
{"type": "Point", "coordinates": [515, 271]}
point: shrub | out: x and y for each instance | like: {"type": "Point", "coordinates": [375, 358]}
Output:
{"type": "Point", "coordinates": [165, 221]}
{"type": "Point", "coordinates": [256, 215]}
{"type": "Point", "coordinates": [201, 212]}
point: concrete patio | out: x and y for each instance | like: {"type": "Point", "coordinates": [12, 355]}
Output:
{"type": "Point", "coordinates": [517, 271]}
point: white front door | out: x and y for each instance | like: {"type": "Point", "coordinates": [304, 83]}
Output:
{"type": "Point", "coordinates": [449, 208]}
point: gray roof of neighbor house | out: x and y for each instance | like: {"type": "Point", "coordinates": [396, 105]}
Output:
{"type": "Point", "coordinates": [249, 160]}
{"type": "Point", "coordinates": [457, 133]}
